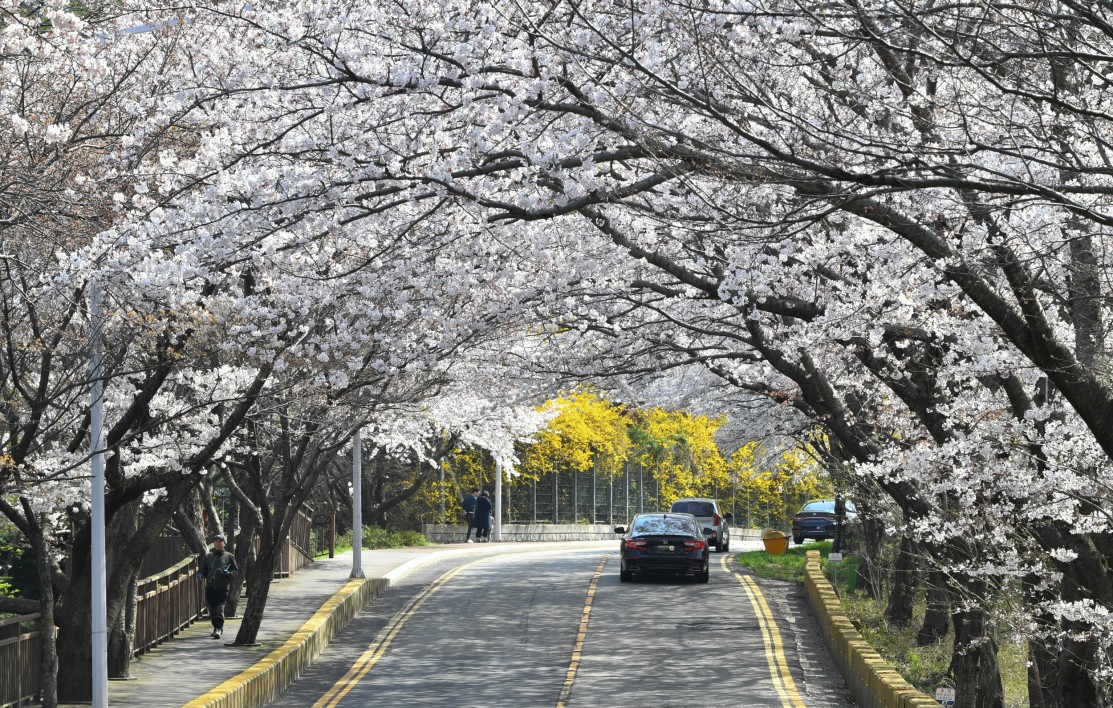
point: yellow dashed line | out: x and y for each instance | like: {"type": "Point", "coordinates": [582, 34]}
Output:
{"type": "Point", "coordinates": [383, 639]}
{"type": "Point", "coordinates": [771, 635]}
{"type": "Point", "coordinates": [581, 635]}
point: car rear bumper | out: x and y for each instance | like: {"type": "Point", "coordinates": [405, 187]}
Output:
{"type": "Point", "coordinates": [816, 533]}
{"type": "Point", "coordinates": [648, 564]}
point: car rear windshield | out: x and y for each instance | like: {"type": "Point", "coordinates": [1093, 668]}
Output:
{"type": "Point", "coordinates": [693, 507]}
{"type": "Point", "coordinates": [664, 525]}
{"type": "Point", "coordinates": [827, 506]}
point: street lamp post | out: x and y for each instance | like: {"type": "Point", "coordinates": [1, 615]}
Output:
{"type": "Point", "coordinates": [498, 501]}
{"type": "Point", "coordinates": [357, 507]}
{"type": "Point", "coordinates": [96, 446]}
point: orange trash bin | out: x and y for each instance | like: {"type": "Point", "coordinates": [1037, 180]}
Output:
{"type": "Point", "coordinates": [776, 542]}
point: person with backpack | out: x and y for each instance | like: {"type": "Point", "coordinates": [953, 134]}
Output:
{"type": "Point", "coordinates": [217, 568]}
{"type": "Point", "coordinates": [483, 508]}
{"type": "Point", "coordinates": [469, 511]}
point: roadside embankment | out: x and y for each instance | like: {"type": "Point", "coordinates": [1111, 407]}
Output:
{"type": "Point", "coordinates": [873, 682]}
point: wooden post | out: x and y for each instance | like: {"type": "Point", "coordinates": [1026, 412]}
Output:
{"type": "Point", "coordinates": [610, 496]}
{"type": "Point", "coordinates": [575, 495]}
{"type": "Point", "coordinates": [594, 470]}
{"type": "Point", "coordinates": [641, 488]}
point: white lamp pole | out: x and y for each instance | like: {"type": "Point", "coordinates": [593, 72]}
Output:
{"type": "Point", "coordinates": [498, 502]}
{"type": "Point", "coordinates": [96, 446]}
{"type": "Point", "coordinates": [357, 508]}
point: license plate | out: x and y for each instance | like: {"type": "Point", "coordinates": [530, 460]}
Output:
{"type": "Point", "coordinates": [666, 549]}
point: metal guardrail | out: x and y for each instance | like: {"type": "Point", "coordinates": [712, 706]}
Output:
{"type": "Point", "coordinates": [19, 660]}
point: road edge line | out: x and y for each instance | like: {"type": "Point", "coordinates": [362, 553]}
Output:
{"type": "Point", "coordinates": [779, 672]}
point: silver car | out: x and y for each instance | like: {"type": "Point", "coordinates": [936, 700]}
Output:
{"type": "Point", "coordinates": [709, 516]}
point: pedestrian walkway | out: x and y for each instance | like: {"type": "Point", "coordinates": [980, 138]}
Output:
{"type": "Point", "coordinates": [193, 663]}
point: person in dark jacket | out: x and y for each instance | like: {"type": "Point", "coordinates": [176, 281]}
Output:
{"type": "Point", "coordinates": [483, 518]}
{"type": "Point", "coordinates": [217, 568]}
{"type": "Point", "coordinates": [469, 511]}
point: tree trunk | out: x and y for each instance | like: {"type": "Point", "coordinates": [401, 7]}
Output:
{"type": "Point", "coordinates": [938, 614]}
{"type": "Point", "coordinates": [870, 570]}
{"type": "Point", "coordinates": [48, 654]}
{"type": "Point", "coordinates": [974, 662]}
{"type": "Point", "coordinates": [902, 589]}
{"type": "Point", "coordinates": [1043, 652]}
{"type": "Point", "coordinates": [120, 643]}
{"type": "Point", "coordinates": [1043, 675]}
{"type": "Point", "coordinates": [75, 671]}
{"type": "Point", "coordinates": [75, 623]}
{"type": "Point", "coordinates": [121, 639]}
{"type": "Point", "coordinates": [243, 548]}
{"type": "Point", "coordinates": [1076, 667]}
{"type": "Point", "coordinates": [259, 579]}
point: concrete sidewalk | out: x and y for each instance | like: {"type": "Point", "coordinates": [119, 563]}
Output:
{"type": "Point", "coordinates": [192, 664]}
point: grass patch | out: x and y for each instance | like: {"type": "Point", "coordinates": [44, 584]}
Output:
{"type": "Point", "coordinates": [790, 564]}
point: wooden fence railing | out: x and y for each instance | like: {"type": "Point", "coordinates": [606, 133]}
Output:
{"type": "Point", "coordinates": [167, 602]}
{"type": "Point", "coordinates": [19, 659]}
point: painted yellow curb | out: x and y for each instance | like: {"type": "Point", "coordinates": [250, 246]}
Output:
{"type": "Point", "coordinates": [873, 682]}
{"type": "Point", "coordinates": [269, 677]}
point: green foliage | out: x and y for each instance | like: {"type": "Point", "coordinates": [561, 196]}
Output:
{"type": "Point", "coordinates": [413, 538]}
{"type": "Point", "coordinates": [375, 537]}
{"type": "Point", "coordinates": [17, 562]}
{"type": "Point", "coordinates": [342, 543]}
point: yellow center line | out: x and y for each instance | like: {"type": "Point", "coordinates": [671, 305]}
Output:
{"type": "Point", "coordinates": [383, 639]}
{"type": "Point", "coordinates": [771, 635]}
{"type": "Point", "coordinates": [581, 636]}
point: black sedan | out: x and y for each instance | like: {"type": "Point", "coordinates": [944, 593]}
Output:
{"type": "Point", "coordinates": [664, 543]}
{"type": "Point", "coordinates": [816, 520]}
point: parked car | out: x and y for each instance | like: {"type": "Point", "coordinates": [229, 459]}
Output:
{"type": "Point", "coordinates": [816, 520]}
{"type": "Point", "coordinates": [707, 513]}
{"type": "Point", "coordinates": [664, 543]}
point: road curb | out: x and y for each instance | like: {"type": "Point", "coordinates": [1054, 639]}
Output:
{"type": "Point", "coordinates": [873, 682]}
{"type": "Point", "coordinates": [268, 678]}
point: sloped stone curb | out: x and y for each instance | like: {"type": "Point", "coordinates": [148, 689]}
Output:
{"type": "Point", "coordinates": [873, 682]}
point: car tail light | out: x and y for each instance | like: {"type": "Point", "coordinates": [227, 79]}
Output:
{"type": "Point", "coordinates": [716, 520]}
{"type": "Point", "coordinates": [694, 545]}
{"type": "Point", "coordinates": [635, 543]}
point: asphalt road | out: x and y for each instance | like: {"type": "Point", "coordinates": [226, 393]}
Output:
{"type": "Point", "coordinates": [559, 629]}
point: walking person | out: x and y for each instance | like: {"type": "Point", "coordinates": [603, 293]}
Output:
{"type": "Point", "coordinates": [217, 568]}
{"type": "Point", "coordinates": [469, 511]}
{"type": "Point", "coordinates": [483, 518]}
